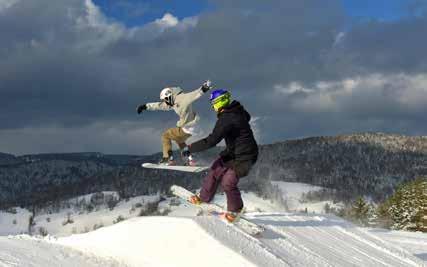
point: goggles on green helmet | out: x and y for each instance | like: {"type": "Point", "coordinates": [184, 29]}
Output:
{"type": "Point", "coordinates": [220, 99]}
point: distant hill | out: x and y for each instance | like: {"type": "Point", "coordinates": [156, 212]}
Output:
{"type": "Point", "coordinates": [370, 164]}
{"type": "Point", "coordinates": [8, 159]}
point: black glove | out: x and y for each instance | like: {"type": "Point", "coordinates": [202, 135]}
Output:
{"type": "Point", "coordinates": [185, 153]}
{"type": "Point", "coordinates": [141, 108]}
{"type": "Point", "coordinates": [206, 86]}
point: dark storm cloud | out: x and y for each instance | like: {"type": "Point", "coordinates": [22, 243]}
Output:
{"type": "Point", "coordinates": [66, 69]}
{"type": "Point", "coordinates": [387, 46]}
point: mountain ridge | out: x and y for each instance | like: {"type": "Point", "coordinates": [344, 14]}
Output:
{"type": "Point", "coordinates": [365, 163]}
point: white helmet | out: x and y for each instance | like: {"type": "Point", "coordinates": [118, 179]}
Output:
{"type": "Point", "coordinates": [167, 96]}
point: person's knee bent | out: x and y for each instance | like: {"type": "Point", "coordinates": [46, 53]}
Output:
{"type": "Point", "coordinates": [229, 181]}
{"type": "Point", "coordinates": [166, 135]}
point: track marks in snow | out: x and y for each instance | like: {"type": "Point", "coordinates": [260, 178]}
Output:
{"type": "Point", "coordinates": [327, 241]}
{"type": "Point", "coordinates": [246, 245]}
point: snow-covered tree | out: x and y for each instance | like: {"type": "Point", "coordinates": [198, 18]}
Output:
{"type": "Point", "coordinates": [408, 206]}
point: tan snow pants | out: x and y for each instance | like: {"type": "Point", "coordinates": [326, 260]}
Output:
{"type": "Point", "coordinates": [176, 134]}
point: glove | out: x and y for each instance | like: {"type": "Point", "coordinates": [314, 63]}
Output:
{"type": "Point", "coordinates": [206, 86]}
{"type": "Point", "coordinates": [185, 152]}
{"type": "Point", "coordinates": [141, 108]}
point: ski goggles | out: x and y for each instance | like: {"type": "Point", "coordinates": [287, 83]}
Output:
{"type": "Point", "coordinates": [168, 100]}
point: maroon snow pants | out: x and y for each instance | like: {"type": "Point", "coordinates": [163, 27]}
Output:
{"type": "Point", "coordinates": [220, 174]}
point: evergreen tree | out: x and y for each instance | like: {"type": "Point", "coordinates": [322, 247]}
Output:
{"type": "Point", "coordinates": [383, 218]}
{"type": "Point", "coordinates": [360, 211]}
{"type": "Point", "coordinates": [408, 206]}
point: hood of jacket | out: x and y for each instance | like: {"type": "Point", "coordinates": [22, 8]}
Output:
{"type": "Point", "coordinates": [236, 107]}
{"type": "Point", "coordinates": [175, 91]}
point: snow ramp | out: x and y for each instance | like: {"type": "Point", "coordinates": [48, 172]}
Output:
{"type": "Point", "coordinates": [157, 241]}
{"type": "Point", "coordinates": [289, 240]}
{"type": "Point", "coordinates": [311, 240]}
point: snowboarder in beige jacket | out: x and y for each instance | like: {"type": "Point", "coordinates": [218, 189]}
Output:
{"type": "Point", "coordinates": [174, 98]}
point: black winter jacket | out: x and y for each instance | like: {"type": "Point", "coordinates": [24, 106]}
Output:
{"type": "Point", "coordinates": [233, 126]}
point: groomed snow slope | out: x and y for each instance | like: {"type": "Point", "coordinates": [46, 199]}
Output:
{"type": "Point", "coordinates": [157, 241]}
{"type": "Point", "coordinates": [313, 240]}
{"type": "Point", "coordinates": [290, 240]}
{"type": "Point", "coordinates": [26, 251]}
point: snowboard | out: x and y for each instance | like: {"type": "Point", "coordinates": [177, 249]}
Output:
{"type": "Point", "coordinates": [215, 210]}
{"type": "Point", "coordinates": [175, 167]}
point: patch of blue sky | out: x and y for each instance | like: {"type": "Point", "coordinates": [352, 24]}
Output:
{"type": "Point", "coordinates": [140, 12]}
{"type": "Point", "coordinates": [384, 10]}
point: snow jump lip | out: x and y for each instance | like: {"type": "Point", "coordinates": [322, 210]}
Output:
{"type": "Point", "coordinates": [157, 241]}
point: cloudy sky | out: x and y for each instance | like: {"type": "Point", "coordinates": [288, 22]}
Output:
{"type": "Point", "coordinates": [73, 71]}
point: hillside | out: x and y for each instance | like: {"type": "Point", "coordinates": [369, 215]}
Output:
{"type": "Point", "coordinates": [358, 164]}
{"type": "Point", "coordinates": [370, 164]}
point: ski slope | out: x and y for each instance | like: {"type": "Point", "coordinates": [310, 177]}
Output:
{"type": "Point", "coordinates": [184, 239]}
{"type": "Point", "coordinates": [25, 251]}
{"type": "Point", "coordinates": [293, 194]}
{"type": "Point", "coordinates": [289, 240]}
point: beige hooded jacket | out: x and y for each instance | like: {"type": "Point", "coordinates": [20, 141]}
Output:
{"type": "Point", "coordinates": [182, 106]}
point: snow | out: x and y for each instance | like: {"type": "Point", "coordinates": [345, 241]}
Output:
{"type": "Point", "coordinates": [293, 195]}
{"type": "Point", "coordinates": [323, 240]}
{"type": "Point", "coordinates": [415, 242]}
{"type": "Point", "coordinates": [84, 221]}
{"type": "Point", "coordinates": [157, 241]}
{"type": "Point", "coordinates": [11, 223]}
{"type": "Point", "coordinates": [183, 239]}
{"type": "Point", "coordinates": [28, 251]}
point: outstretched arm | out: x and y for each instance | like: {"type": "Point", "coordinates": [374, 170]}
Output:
{"type": "Point", "coordinates": [153, 106]}
{"type": "Point", "coordinates": [158, 106]}
{"type": "Point", "coordinates": [196, 94]}
{"type": "Point", "coordinates": [218, 133]}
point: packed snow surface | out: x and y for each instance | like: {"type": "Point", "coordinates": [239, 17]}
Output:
{"type": "Point", "coordinates": [158, 241]}
{"type": "Point", "coordinates": [183, 239]}
{"type": "Point", "coordinates": [14, 223]}
{"type": "Point", "coordinates": [25, 251]}
{"type": "Point", "coordinates": [293, 194]}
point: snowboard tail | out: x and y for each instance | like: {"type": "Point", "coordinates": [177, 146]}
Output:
{"type": "Point", "coordinates": [215, 210]}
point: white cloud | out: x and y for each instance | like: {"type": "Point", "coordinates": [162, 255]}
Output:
{"type": "Point", "coordinates": [102, 32]}
{"type": "Point", "coordinates": [408, 92]}
{"type": "Point", "coordinates": [167, 21]}
{"type": "Point", "coordinates": [190, 22]}
{"type": "Point", "coordinates": [122, 137]}
{"type": "Point", "coordinates": [292, 88]}
{"type": "Point", "coordinates": [339, 38]}
{"type": "Point", "coordinates": [5, 4]}
{"type": "Point", "coordinates": [170, 21]}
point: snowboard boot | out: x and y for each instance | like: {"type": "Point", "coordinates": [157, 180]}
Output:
{"type": "Point", "coordinates": [231, 216]}
{"type": "Point", "coordinates": [190, 161]}
{"type": "Point", "coordinates": [195, 200]}
{"type": "Point", "coordinates": [169, 161]}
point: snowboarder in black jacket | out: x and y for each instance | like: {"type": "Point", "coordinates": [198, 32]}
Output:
{"type": "Point", "coordinates": [236, 160]}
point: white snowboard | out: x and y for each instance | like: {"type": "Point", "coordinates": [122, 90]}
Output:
{"type": "Point", "coordinates": [175, 167]}
{"type": "Point", "coordinates": [212, 209]}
